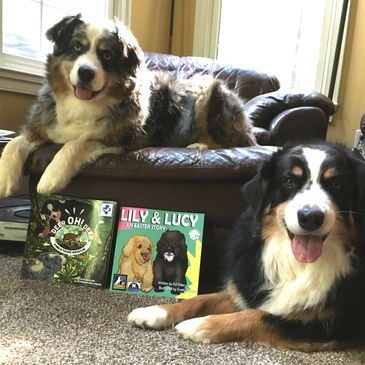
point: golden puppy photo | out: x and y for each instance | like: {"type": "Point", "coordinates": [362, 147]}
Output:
{"type": "Point", "coordinates": [136, 261]}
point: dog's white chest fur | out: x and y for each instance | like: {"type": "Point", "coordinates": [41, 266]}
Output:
{"type": "Point", "coordinates": [298, 286]}
{"type": "Point", "coordinates": [76, 119]}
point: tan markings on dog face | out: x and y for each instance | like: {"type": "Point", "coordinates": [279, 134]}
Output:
{"type": "Point", "coordinates": [297, 171]}
{"type": "Point", "coordinates": [272, 223]}
{"type": "Point", "coordinates": [60, 78]}
{"type": "Point", "coordinates": [90, 59]}
{"type": "Point", "coordinates": [344, 233]}
{"type": "Point", "coordinates": [329, 173]}
{"type": "Point", "coordinates": [298, 286]}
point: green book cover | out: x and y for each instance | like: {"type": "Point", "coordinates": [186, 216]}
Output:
{"type": "Point", "coordinates": [157, 253]}
{"type": "Point", "coordinates": [69, 240]}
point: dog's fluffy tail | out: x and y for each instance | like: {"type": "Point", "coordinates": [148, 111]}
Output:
{"type": "Point", "coordinates": [227, 121]}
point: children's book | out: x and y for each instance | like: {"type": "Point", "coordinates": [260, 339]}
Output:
{"type": "Point", "coordinates": [157, 253]}
{"type": "Point", "coordinates": [69, 240]}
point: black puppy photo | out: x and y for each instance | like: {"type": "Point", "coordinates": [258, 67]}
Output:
{"type": "Point", "coordinates": [171, 262]}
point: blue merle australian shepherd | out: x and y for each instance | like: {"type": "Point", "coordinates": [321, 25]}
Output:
{"type": "Point", "coordinates": [296, 263]}
{"type": "Point", "coordinates": [100, 98]}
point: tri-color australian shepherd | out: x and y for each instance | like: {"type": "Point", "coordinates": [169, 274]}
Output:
{"type": "Point", "coordinates": [295, 276]}
{"type": "Point", "coordinates": [100, 98]}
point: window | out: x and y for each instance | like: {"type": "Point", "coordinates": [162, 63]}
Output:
{"type": "Point", "coordinates": [23, 45]}
{"type": "Point", "coordinates": [294, 40]}
{"type": "Point", "coordinates": [25, 37]}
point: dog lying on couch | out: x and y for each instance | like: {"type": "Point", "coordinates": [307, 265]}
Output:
{"type": "Point", "coordinates": [99, 98]}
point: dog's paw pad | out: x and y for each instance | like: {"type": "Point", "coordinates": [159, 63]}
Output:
{"type": "Point", "coordinates": [193, 329]}
{"type": "Point", "coordinates": [153, 317]}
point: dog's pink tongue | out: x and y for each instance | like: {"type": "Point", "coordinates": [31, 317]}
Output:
{"type": "Point", "coordinates": [146, 257]}
{"type": "Point", "coordinates": [83, 94]}
{"type": "Point", "coordinates": [307, 248]}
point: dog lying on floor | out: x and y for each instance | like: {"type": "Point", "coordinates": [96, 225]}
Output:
{"type": "Point", "coordinates": [296, 263]}
{"type": "Point", "coordinates": [100, 98]}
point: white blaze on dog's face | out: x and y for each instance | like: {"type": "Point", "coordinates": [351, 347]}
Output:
{"type": "Point", "coordinates": [87, 75]}
{"type": "Point", "coordinates": [310, 214]}
{"type": "Point", "coordinates": [307, 197]}
{"type": "Point", "coordinates": [305, 200]}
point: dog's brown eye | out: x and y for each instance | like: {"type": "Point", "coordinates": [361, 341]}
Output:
{"type": "Point", "coordinates": [288, 182]}
{"type": "Point", "coordinates": [335, 184]}
{"type": "Point", "coordinates": [139, 246]}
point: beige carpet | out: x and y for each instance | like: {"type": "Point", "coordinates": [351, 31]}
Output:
{"type": "Point", "coordinates": [44, 323]}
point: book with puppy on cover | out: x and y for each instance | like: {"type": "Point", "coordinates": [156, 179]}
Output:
{"type": "Point", "coordinates": [157, 253]}
{"type": "Point", "coordinates": [69, 240]}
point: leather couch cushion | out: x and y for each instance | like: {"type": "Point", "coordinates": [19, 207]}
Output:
{"type": "Point", "coordinates": [171, 164]}
{"type": "Point", "coordinates": [247, 83]}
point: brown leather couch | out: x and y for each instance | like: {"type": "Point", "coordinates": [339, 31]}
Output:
{"type": "Point", "coordinates": [207, 181]}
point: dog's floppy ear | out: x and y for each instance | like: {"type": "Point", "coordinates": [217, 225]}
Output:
{"type": "Point", "coordinates": [128, 248]}
{"type": "Point", "coordinates": [256, 191]}
{"type": "Point", "coordinates": [359, 166]}
{"type": "Point", "coordinates": [132, 53]}
{"type": "Point", "coordinates": [61, 32]}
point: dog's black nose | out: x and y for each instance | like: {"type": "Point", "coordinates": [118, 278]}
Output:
{"type": "Point", "coordinates": [86, 73]}
{"type": "Point", "coordinates": [310, 218]}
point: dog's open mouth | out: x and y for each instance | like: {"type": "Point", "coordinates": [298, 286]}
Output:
{"type": "Point", "coordinates": [146, 257]}
{"type": "Point", "coordinates": [84, 93]}
{"type": "Point", "coordinates": [306, 248]}
{"type": "Point", "coordinates": [169, 256]}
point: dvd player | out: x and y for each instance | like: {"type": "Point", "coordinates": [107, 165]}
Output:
{"type": "Point", "coordinates": [14, 219]}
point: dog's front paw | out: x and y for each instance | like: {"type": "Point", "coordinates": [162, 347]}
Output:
{"type": "Point", "coordinates": [46, 187]}
{"type": "Point", "coordinates": [50, 184]}
{"type": "Point", "coordinates": [153, 317]}
{"type": "Point", "coordinates": [195, 330]}
{"type": "Point", "coordinates": [146, 288]}
{"type": "Point", "coordinates": [9, 180]}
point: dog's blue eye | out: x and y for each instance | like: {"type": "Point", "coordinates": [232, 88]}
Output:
{"type": "Point", "coordinates": [107, 56]}
{"type": "Point", "coordinates": [77, 46]}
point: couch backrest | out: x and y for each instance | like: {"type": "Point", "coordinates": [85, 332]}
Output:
{"type": "Point", "coordinates": [247, 83]}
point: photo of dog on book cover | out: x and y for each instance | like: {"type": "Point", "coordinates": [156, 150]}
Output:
{"type": "Point", "coordinates": [158, 252]}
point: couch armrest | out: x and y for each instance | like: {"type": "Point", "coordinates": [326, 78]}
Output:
{"type": "Point", "coordinates": [298, 125]}
{"type": "Point", "coordinates": [264, 108]}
